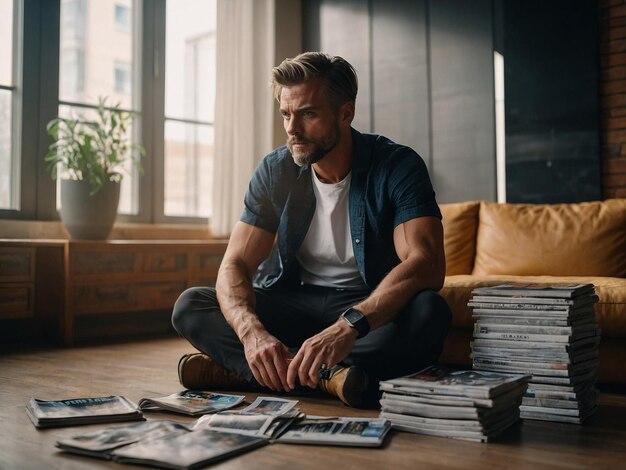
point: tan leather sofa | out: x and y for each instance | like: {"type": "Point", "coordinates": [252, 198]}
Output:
{"type": "Point", "coordinates": [488, 243]}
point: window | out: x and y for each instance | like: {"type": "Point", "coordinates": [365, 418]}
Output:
{"type": "Point", "coordinates": [122, 18]}
{"type": "Point", "coordinates": [189, 106]}
{"type": "Point", "coordinates": [72, 79]}
{"type": "Point", "coordinates": [74, 19]}
{"type": "Point", "coordinates": [156, 58]}
{"type": "Point", "coordinates": [9, 53]}
{"type": "Point", "coordinates": [122, 78]}
{"type": "Point", "coordinates": [98, 64]}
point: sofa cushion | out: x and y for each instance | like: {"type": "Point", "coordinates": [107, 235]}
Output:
{"type": "Point", "coordinates": [610, 310]}
{"type": "Point", "coordinates": [460, 222]}
{"type": "Point", "coordinates": [584, 239]}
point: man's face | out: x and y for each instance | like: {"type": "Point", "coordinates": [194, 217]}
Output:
{"type": "Point", "coordinates": [311, 122]}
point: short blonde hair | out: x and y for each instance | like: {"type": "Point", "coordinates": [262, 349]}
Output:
{"type": "Point", "coordinates": [338, 75]}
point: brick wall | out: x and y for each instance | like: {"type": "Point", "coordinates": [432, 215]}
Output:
{"type": "Point", "coordinates": [612, 30]}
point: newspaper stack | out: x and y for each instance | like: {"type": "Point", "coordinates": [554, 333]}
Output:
{"type": "Point", "coordinates": [461, 404]}
{"type": "Point", "coordinates": [548, 331]}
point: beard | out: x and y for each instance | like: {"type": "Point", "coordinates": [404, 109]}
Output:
{"type": "Point", "coordinates": [319, 147]}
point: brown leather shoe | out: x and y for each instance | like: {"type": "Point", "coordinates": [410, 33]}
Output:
{"type": "Point", "coordinates": [346, 383]}
{"type": "Point", "coordinates": [199, 372]}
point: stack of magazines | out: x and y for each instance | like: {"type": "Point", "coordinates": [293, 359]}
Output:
{"type": "Point", "coordinates": [462, 404]}
{"type": "Point", "coordinates": [548, 331]}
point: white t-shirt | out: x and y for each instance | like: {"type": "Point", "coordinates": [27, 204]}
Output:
{"type": "Point", "coordinates": [326, 255]}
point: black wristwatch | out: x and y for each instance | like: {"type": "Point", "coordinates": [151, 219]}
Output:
{"type": "Point", "coordinates": [356, 320]}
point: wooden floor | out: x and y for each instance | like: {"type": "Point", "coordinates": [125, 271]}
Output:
{"type": "Point", "coordinates": [148, 368]}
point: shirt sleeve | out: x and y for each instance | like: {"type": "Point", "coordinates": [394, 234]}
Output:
{"type": "Point", "coordinates": [258, 207]}
{"type": "Point", "coordinates": [410, 188]}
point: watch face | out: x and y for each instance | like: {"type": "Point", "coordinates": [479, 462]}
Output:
{"type": "Point", "coordinates": [357, 320]}
{"type": "Point", "coordinates": [353, 316]}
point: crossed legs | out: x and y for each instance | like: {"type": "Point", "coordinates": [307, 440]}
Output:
{"type": "Point", "coordinates": [412, 341]}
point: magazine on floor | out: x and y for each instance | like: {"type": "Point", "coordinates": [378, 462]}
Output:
{"type": "Point", "coordinates": [566, 291]}
{"type": "Point", "coordinates": [74, 411]}
{"type": "Point", "coordinates": [341, 431]}
{"type": "Point", "coordinates": [250, 424]}
{"type": "Point", "coordinates": [187, 450]}
{"type": "Point", "coordinates": [270, 406]}
{"type": "Point", "coordinates": [471, 430]}
{"type": "Point", "coordinates": [193, 403]}
{"type": "Point", "coordinates": [447, 400]}
{"type": "Point", "coordinates": [264, 417]}
{"type": "Point", "coordinates": [102, 442]}
{"type": "Point", "coordinates": [512, 397]}
{"type": "Point", "coordinates": [448, 381]}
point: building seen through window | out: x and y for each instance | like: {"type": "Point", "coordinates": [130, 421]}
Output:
{"type": "Point", "coordinates": [189, 107]}
{"type": "Point", "coordinates": [113, 49]}
{"type": "Point", "coordinates": [9, 162]}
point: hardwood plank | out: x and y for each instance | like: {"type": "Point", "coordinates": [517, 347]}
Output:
{"type": "Point", "coordinates": [148, 368]}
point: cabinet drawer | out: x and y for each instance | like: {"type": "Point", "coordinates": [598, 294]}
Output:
{"type": "Point", "coordinates": [103, 298]}
{"type": "Point", "coordinates": [208, 263]}
{"type": "Point", "coordinates": [93, 262]}
{"type": "Point", "coordinates": [164, 263]}
{"type": "Point", "coordinates": [16, 301]}
{"type": "Point", "coordinates": [17, 264]}
{"type": "Point", "coordinates": [122, 297]}
{"type": "Point", "coordinates": [158, 295]}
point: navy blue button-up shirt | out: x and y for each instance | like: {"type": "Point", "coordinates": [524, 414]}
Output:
{"type": "Point", "coordinates": [390, 185]}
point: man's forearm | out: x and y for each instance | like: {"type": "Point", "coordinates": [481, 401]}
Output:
{"type": "Point", "coordinates": [235, 295]}
{"type": "Point", "coordinates": [399, 286]}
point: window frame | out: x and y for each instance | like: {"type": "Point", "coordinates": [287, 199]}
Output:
{"type": "Point", "coordinates": [38, 87]}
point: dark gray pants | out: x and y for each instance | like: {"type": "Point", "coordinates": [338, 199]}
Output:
{"type": "Point", "coordinates": [412, 341]}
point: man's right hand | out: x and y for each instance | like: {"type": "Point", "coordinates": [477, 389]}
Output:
{"type": "Point", "coordinates": [268, 359]}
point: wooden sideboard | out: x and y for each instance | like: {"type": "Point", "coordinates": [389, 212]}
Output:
{"type": "Point", "coordinates": [69, 279]}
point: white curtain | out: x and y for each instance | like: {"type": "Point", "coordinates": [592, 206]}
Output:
{"type": "Point", "coordinates": [243, 105]}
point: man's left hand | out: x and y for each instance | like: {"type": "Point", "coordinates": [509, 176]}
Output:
{"type": "Point", "coordinates": [327, 347]}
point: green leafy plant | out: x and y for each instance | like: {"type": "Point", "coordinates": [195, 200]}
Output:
{"type": "Point", "coordinates": [95, 151]}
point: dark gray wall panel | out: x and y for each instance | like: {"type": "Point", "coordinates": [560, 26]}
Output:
{"type": "Point", "coordinates": [426, 74]}
{"type": "Point", "coordinates": [400, 77]}
{"type": "Point", "coordinates": [551, 95]}
{"type": "Point", "coordinates": [462, 100]}
{"type": "Point", "coordinates": [341, 27]}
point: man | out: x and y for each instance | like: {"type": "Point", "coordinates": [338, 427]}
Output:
{"type": "Point", "coordinates": [330, 277]}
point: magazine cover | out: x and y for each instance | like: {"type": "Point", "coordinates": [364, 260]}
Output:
{"type": "Point", "coordinates": [100, 443]}
{"type": "Point", "coordinates": [187, 450]}
{"type": "Point", "coordinates": [536, 290]}
{"type": "Point", "coordinates": [194, 403]}
{"type": "Point", "coordinates": [360, 432]}
{"type": "Point", "coordinates": [81, 411]}
{"type": "Point", "coordinates": [471, 383]}
{"type": "Point", "coordinates": [270, 406]}
{"type": "Point", "coordinates": [251, 424]}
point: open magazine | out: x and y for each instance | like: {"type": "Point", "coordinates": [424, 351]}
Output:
{"type": "Point", "coordinates": [191, 402]}
{"type": "Point", "coordinates": [265, 417]}
{"type": "Point", "coordinates": [76, 411]}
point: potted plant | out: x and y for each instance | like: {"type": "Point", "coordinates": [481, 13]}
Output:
{"type": "Point", "coordinates": [90, 157]}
